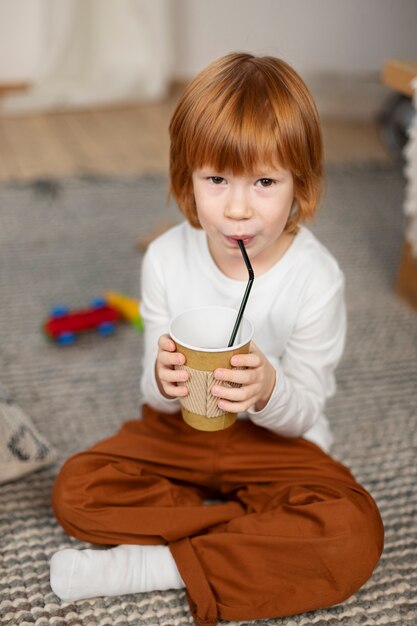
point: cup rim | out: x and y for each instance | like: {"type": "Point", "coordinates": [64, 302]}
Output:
{"type": "Point", "coordinates": [235, 346]}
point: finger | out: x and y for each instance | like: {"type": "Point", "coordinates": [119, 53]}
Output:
{"type": "Point", "coordinates": [170, 375]}
{"type": "Point", "coordinates": [166, 343]}
{"type": "Point", "coordinates": [235, 407]}
{"type": "Point", "coordinates": [238, 376]}
{"type": "Point", "coordinates": [234, 394]}
{"type": "Point", "coordinates": [176, 391]}
{"type": "Point", "coordinates": [170, 359]}
{"type": "Point", "coordinates": [252, 359]}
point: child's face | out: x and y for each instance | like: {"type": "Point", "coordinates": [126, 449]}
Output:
{"type": "Point", "coordinates": [254, 208]}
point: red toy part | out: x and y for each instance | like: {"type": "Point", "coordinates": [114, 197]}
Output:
{"type": "Point", "coordinates": [73, 323]}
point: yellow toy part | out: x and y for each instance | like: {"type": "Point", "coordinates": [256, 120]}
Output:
{"type": "Point", "coordinates": [127, 306]}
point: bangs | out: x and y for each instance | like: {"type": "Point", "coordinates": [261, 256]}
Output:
{"type": "Point", "coordinates": [238, 136]}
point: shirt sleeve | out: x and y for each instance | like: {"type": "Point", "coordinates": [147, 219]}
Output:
{"type": "Point", "coordinates": [154, 311]}
{"type": "Point", "coordinates": [305, 372]}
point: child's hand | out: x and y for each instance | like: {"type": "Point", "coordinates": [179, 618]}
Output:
{"type": "Point", "coordinates": [167, 376]}
{"type": "Point", "coordinates": [257, 382]}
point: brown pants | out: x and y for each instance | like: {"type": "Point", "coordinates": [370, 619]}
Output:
{"type": "Point", "coordinates": [291, 530]}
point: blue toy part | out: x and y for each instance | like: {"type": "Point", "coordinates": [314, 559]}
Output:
{"type": "Point", "coordinates": [66, 338]}
{"type": "Point", "coordinates": [59, 311]}
{"type": "Point", "coordinates": [98, 302]}
{"type": "Point", "coordinates": [106, 328]}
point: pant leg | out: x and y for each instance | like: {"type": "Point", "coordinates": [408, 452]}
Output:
{"type": "Point", "coordinates": [296, 532]}
{"type": "Point", "coordinates": [145, 485]}
{"type": "Point", "coordinates": [309, 538]}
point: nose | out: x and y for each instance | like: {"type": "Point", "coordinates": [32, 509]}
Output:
{"type": "Point", "coordinates": [238, 206]}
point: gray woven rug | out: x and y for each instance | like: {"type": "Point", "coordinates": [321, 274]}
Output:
{"type": "Point", "coordinates": [69, 241]}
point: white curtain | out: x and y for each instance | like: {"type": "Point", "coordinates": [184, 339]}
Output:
{"type": "Point", "coordinates": [410, 205]}
{"type": "Point", "coordinates": [98, 52]}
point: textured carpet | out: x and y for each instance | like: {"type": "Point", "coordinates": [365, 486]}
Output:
{"type": "Point", "coordinates": [67, 242]}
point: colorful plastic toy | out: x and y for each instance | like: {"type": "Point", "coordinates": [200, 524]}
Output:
{"type": "Point", "coordinates": [64, 325]}
{"type": "Point", "coordinates": [128, 307]}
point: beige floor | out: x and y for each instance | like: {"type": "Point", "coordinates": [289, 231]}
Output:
{"type": "Point", "coordinates": [132, 139]}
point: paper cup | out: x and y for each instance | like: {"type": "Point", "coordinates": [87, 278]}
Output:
{"type": "Point", "coordinates": [202, 335]}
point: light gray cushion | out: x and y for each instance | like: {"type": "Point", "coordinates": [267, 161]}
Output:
{"type": "Point", "coordinates": [22, 448]}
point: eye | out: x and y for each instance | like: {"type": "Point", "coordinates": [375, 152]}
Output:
{"type": "Point", "coordinates": [217, 180]}
{"type": "Point", "coordinates": [265, 182]}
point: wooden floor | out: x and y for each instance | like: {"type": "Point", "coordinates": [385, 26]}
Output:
{"type": "Point", "coordinates": [132, 139]}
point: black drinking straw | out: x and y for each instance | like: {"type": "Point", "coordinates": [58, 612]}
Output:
{"type": "Point", "coordinates": [245, 295]}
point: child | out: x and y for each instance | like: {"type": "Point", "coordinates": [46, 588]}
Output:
{"type": "Point", "coordinates": [256, 521]}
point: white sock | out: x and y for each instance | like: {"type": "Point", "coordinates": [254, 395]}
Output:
{"type": "Point", "coordinates": [78, 574]}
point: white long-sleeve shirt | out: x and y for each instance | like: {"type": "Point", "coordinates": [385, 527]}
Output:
{"type": "Point", "coordinates": [297, 308]}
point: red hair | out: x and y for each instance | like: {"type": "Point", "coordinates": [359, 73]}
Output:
{"type": "Point", "coordinates": [242, 112]}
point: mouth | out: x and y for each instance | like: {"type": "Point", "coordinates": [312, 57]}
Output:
{"type": "Point", "coordinates": [247, 240]}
